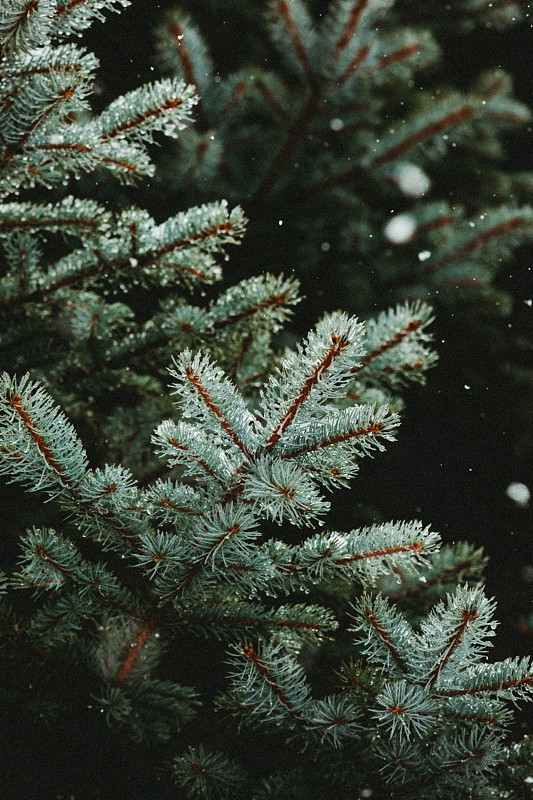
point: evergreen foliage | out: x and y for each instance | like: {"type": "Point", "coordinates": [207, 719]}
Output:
{"type": "Point", "coordinates": [395, 193]}
{"type": "Point", "coordinates": [423, 707]}
{"type": "Point", "coordinates": [180, 522]}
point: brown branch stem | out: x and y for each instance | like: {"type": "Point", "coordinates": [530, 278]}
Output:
{"type": "Point", "coordinates": [337, 345]}
{"type": "Point", "coordinates": [295, 136]}
{"type": "Point", "coordinates": [373, 621]}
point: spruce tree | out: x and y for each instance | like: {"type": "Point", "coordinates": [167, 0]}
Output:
{"type": "Point", "coordinates": [168, 579]}
{"type": "Point", "coordinates": [348, 157]}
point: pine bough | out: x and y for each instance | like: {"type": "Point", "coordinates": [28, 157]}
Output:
{"type": "Point", "coordinates": [333, 127]}
{"type": "Point", "coordinates": [421, 706]}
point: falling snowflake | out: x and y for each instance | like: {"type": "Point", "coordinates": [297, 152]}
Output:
{"type": "Point", "coordinates": [400, 228]}
{"type": "Point", "coordinates": [518, 492]}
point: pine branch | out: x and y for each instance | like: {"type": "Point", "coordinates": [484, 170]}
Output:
{"type": "Point", "coordinates": [70, 215]}
{"type": "Point", "coordinates": [49, 457]}
{"type": "Point", "coordinates": [180, 248]}
{"type": "Point", "coordinates": [405, 711]}
{"type": "Point", "coordinates": [45, 60]}
{"type": "Point", "coordinates": [286, 690]}
{"type": "Point", "coordinates": [292, 25]}
{"type": "Point", "coordinates": [25, 24]}
{"type": "Point", "coordinates": [389, 640]}
{"type": "Point", "coordinates": [223, 537]}
{"type": "Point", "coordinates": [53, 563]}
{"type": "Point", "coordinates": [362, 554]}
{"type": "Point", "coordinates": [264, 298]}
{"type": "Point", "coordinates": [511, 679]}
{"type": "Point", "coordinates": [450, 566]}
{"type": "Point", "coordinates": [351, 69]}
{"type": "Point", "coordinates": [359, 426]}
{"type": "Point", "coordinates": [255, 436]}
{"type": "Point", "coordinates": [176, 33]}
{"type": "Point", "coordinates": [163, 106]}
{"type": "Point", "coordinates": [38, 440]}
{"type": "Point", "coordinates": [281, 490]}
{"type": "Point", "coordinates": [363, 681]}
{"type": "Point", "coordinates": [296, 134]}
{"type": "Point", "coordinates": [272, 687]}
{"type": "Point", "coordinates": [306, 622]}
{"type": "Point", "coordinates": [412, 326]}
{"type": "Point", "coordinates": [497, 228]}
{"type": "Point", "coordinates": [398, 144]}
{"type": "Point", "coordinates": [170, 502]}
{"type": "Point", "coordinates": [272, 100]}
{"type": "Point", "coordinates": [464, 623]}
{"type": "Point", "coordinates": [200, 773]}
{"type": "Point", "coordinates": [72, 16]}
{"type": "Point", "coordinates": [347, 33]}
{"type": "Point", "coordinates": [30, 111]}
{"type": "Point", "coordinates": [123, 672]}
{"type": "Point", "coordinates": [324, 363]}
{"type": "Point", "coordinates": [208, 396]}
